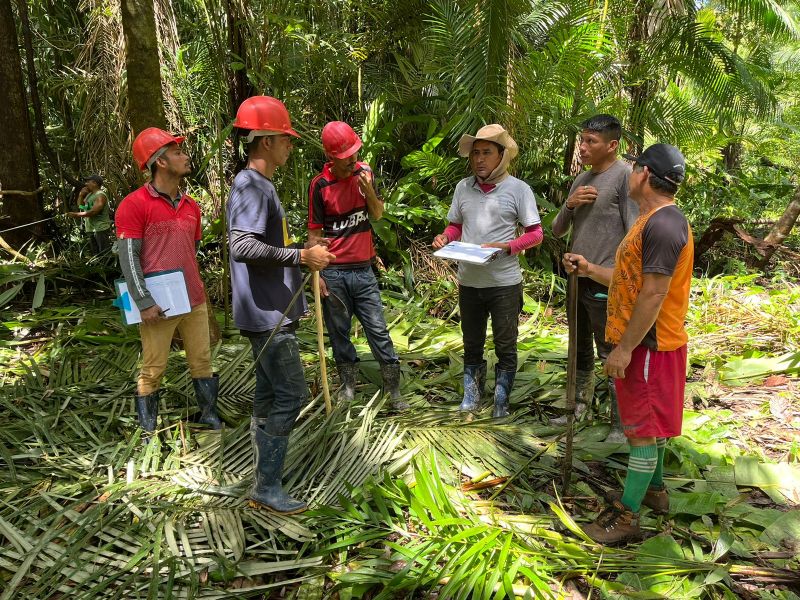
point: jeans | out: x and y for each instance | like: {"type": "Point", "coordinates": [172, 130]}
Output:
{"type": "Point", "coordinates": [592, 314]}
{"type": "Point", "coordinates": [504, 305]}
{"type": "Point", "coordinates": [156, 340]}
{"type": "Point", "coordinates": [356, 292]}
{"type": "Point", "coordinates": [281, 387]}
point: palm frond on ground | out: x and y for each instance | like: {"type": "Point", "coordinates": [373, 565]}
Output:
{"type": "Point", "coordinates": [88, 512]}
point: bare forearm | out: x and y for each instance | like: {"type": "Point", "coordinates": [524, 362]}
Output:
{"type": "Point", "coordinates": [374, 206]}
{"type": "Point", "coordinates": [600, 274]}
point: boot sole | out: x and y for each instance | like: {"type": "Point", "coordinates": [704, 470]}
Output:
{"type": "Point", "coordinates": [259, 506]}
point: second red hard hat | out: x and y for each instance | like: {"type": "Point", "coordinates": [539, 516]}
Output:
{"type": "Point", "coordinates": [339, 140]}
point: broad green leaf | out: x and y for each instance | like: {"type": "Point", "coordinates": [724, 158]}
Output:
{"type": "Point", "coordinates": [38, 294]}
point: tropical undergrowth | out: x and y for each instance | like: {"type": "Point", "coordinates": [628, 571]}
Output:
{"type": "Point", "coordinates": [424, 503]}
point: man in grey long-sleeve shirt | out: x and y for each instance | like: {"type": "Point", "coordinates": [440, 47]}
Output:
{"type": "Point", "coordinates": [600, 214]}
{"type": "Point", "coordinates": [267, 294]}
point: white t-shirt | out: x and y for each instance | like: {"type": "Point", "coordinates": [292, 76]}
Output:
{"type": "Point", "coordinates": [492, 217]}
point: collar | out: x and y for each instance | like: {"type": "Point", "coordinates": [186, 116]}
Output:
{"type": "Point", "coordinates": [484, 187]}
{"type": "Point", "coordinates": [151, 189]}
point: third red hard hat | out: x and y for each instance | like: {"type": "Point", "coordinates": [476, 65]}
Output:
{"type": "Point", "coordinates": [264, 113]}
{"type": "Point", "coordinates": [150, 141]}
{"type": "Point", "coordinates": [339, 139]}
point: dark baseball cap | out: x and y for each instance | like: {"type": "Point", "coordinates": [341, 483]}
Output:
{"type": "Point", "coordinates": [663, 160]}
{"type": "Point", "coordinates": [96, 178]}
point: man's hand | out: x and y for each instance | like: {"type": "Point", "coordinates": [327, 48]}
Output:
{"type": "Point", "coordinates": [152, 315]}
{"type": "Point", "coordinates": [585, 194]}
{"type": "Point", "coordinates": [316, 258]}
{"type": "Point", "coordinates": [616, 363]}
{"type": "Point", "coordinates": [323, 288]}
{"type": "Point", "coordinates": [83, 193]}
{"type": "Point", "coordinates": [502, 245]}
{"type": "Point", "coordinates": [74, 215]}
{"type": "Point", "coordinates": [365, 183]}
{"type": "Point", "coordinates": [321, 241]}
{"type": "Point", "coordinates": [440, 241]}
{"type": "Point", "coordinates": [574, 262]}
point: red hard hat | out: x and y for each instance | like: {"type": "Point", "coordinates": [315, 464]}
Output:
{"type": "Point", "coordinates": [339, 139]}
{"type": "Point", "coordinates": [150, 141]}
{"type": "Point", "coordinates": [264, 113]}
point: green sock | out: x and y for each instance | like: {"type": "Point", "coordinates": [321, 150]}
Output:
{"type": "Point", "coordinates": [658, 474]}
{"type": "Point", "coordinates": [641, 464]}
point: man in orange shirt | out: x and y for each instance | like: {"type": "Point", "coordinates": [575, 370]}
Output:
{"type": "Point", "coordinates": [647, 303]}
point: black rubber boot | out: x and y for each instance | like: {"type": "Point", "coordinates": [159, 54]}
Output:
{"type": "Point", "coordinates": [504, 381]}
{"type": "Point", "coordinates": [616, 435]}
{"type": "Point", "coordinates": [348, 375]}
{"type": "Point", "coordinates": [147, 410]}
{"type": "Point", "coordinates": [269, 452]}
{"type": "Point", "coordinates": [584, 392]}
{"type": "Point", "coordinates": [390, 373]}
{"type": "Point", "coordinates": [474, 384]}
{"type": "Point", "coordinates": [206, 391]}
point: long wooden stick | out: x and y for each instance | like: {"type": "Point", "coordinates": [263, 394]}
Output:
{"type": "Point", "coordinates": [323, 367]}
{"type": "Point", "coordinates": [572, 368]}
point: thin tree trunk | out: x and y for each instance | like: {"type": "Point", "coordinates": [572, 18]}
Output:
{"type": "Point", "coordinates": [782, 228]}
{"type": "Point", "coordinates": [18, 167]}
{"type": "Point", "coordinates": [36, 103]}
{"type": "Point", "coordinates": [145, 102]}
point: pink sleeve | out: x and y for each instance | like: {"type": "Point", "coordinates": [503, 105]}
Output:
{"type": "Point", "coordinates": [453, 231]}
{"type": "Point", "coordinates": [533, 236]}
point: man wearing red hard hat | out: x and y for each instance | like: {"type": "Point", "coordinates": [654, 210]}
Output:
{"type": "Point", "coordinates": [158, 227]}
{"type": "Point", "coordinates": [342, 199]}
{"type": "Point", "coordinates": [267, 293]}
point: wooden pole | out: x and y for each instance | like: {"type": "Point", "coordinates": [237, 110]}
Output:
{"type": "Point", "coordinates": [323, 368]}
{"type": "Point", "coordinates": [572, 367]}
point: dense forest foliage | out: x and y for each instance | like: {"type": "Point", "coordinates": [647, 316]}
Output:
{"type": "Point", "coordinates": [421, 504]}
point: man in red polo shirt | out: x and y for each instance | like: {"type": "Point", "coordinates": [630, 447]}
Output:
{"type": "Point", "coordinates": [158, 227]}
{"type": "Point", "coordinates": [342, 199]}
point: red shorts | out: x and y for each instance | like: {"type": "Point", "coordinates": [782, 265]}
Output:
{"type": "Point", "coordinates": [651, 395]}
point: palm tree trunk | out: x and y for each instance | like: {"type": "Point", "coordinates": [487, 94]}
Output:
{"type": "Point", "coordinates": [18, 168]}
{"type": "Point", "coordinates": [636, 80]}
{"type": "Point", "coordinates": [145, 102]}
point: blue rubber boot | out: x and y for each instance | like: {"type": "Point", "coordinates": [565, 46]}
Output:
{"type": "Point", "coordinates": [504, 381]}
{"type": "Point", "coordinates": [474, 383]}
{"type": "Point", "coordinates": [147, 410]}
{"type": "Point", "coordinates": [269, 452]}
{"type": "Point", "coordinates": [206, 390]}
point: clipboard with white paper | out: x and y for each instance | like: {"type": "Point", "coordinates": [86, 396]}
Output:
{"type": "Point", "coordinates": [470, 253]}
{"type": "Point", "coordinates": [168, 289]}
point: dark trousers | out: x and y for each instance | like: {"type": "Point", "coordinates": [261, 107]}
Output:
{"type": "Point", "coordinates": [281, 387]}
{"type": "Point", "coordinates": [592, 314]}
{"type": "Point", "coordinates": [101, 240]}
{"type": "Point", "coordinates": [503, 304]}
{"type": "Point", "coordinates": [356, 292]}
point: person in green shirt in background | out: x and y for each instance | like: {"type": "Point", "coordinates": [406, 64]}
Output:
{"type": "Point", "coordinates": [93, 202]}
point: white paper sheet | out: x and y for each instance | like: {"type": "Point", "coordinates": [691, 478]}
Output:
{"type": "Point", "coordinates": [471, 253]}
{"type": "Point", "coordinates": [168, 289]}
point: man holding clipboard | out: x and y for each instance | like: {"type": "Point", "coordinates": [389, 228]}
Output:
{"type": "Point", "coordinates": [158, 228]}
{"type": "Point", "coordinates": [486, 209]}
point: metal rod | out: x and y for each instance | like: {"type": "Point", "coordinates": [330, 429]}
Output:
{"type": "Point", "coordinates": [28, 224]}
